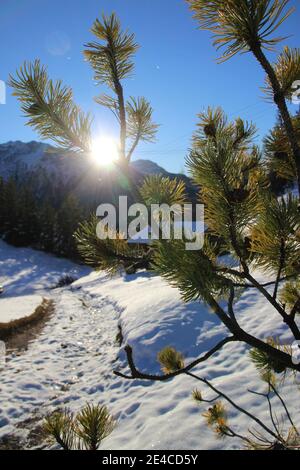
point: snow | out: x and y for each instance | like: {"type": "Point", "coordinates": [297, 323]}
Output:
{"type": "Point", "coordinates": [12, 309]}
{"type": "Point", "coordinates": [73, 359]}
{"type": "Point", "coordinates": [27, 272]}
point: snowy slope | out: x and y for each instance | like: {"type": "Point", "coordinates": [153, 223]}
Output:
{"type": "Point", "coordinates": [72, 361]}
{"type": "Point", "coordinates": [26, 272]}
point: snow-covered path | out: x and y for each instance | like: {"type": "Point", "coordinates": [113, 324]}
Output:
{"type": "Point", "coordinates": [59, 366]}
{"type": "Point", "coordinates": [72, 361]}
{"type": "Point", "coordinates": [72, 356]}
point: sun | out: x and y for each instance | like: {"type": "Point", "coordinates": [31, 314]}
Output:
{"type": "Point", "coordinates": [104, 151]}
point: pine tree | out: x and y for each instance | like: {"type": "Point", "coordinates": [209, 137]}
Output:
{"type": "Point", "coordinates": [46, 221]}
{"type": "Point", "coordinates": [51, 111]}
{"type": "Point", "coordinates": [242, 215]}
{"type": "Point", "coordinates": [241, 26]}
{"type": "Point", "coordinates": [111, 58]}
{"type": "Point", "coordinates": [28, 227]}
{"type": "Point", "coordinates": [256, 230]}
{"type": "Point", "coordinates": [68, 218]}
{"type": "Point", "coordinates": [10, 211]}
{"type": "Point", "coordinates": [247, 220]}
{"type": "Point", "coordinates": [48, 227]}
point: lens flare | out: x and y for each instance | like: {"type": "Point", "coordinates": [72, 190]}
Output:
{"type": "Point", "coordinates": [104, 151]}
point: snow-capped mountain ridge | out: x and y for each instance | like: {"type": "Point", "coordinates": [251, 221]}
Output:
{"type": "Point", "coordinates": [43, 166]}
{"type": "Point", "coordinates": [20, 158]}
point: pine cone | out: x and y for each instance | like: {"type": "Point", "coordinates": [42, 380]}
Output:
{"type": "Point", "coordinates": [210, 130]}
{"type": "Point", "coordinates": [238, 195]}
{"type": "Point", "coordinates": [281, 156]}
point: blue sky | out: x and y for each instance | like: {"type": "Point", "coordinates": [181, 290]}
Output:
{"type": "Point", "coordinates": [176, 67]}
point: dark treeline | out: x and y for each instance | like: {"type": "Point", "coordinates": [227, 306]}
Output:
{"type": "Point", "coordinates": [44, 218]}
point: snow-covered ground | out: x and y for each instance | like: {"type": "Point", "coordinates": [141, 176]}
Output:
{"type": "Point", "coordinates": [15, 308]}
{"type": "Point", "coordinates": [72, 360]}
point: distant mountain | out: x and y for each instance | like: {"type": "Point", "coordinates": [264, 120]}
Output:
{"type": "Point", "coordinates": [18, 159]}
{"type": "Point", "coordinates": [147, 167]}
{"type": "Point", "coordinates": [39, 161]}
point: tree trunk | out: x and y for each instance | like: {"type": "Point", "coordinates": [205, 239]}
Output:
{"type": "Point", "coordinates": [122, 113]}
{"type": "Point", "coordinates": [280, 101]}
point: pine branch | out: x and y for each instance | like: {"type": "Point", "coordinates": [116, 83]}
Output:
{"type": "Point", "coordinates": [230, 304]}
{"type": "Point", "coordinates": [136, 374]}
{"type": "Point", "coordinates": [279, 99]}
{"type": "Point", "coordinates": [235, 23]}
{"type": "Point", "coordinates": [140, 126]}
{"type": "Point", "coordinates": [284, 406]}
{"type": "Point", "coordinates": [50, 109]}
{"type": "Point", "coordinates": [280, 268]}
{"type": "Point", "coordinates": [112, 62]}
{"type": "Point", "coordinates": [286, 318]}
{"type": "Point", "coordinates": [241, 26]}
{"type": "Point", "coordinates": [235, 405]}
{"type": "Point", "coordinates": [266, 284]}
{"type": "Point", "coordinates": [267, 396]}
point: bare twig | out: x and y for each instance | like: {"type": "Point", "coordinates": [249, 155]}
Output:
{"type": "Point", "coordinates": [136, 374]}
{"type": "Point", "coordinates": [281, 266]}
{"type": "Point", "coordinates": [267, 396]}
{"type": "Point", "coordinates": [284, 406]}
{"type": "Point", "coordinates": [230, 304]}
{"type": "Point", "coordinates": [235, 405]}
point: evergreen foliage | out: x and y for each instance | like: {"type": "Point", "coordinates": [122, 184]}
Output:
{"type": "Point", "coordinates": [266, 364]}
{"type": "Point", "coordinates": [287, 70]}
{"type": "Point", "coordinates": [192, 272]}
{"type": "Point", "coordinates": [236, 24]}
{"type": "Point", "coordinates": [281, 434]}
{"type": "Point", "coordinates": [278, 154]}
{"type": "Point", "coordinates": [114, 252]}
{"type": "Point", "coordinates": [275, 236]}
{"type": "Point", "coordinates": [110, 254]}
{"type": "Point", "coordinates": [49, 108]}
{"type": "Point", "coordinates": [216, 418]}
{"type": "Point", "coordinates": [111, 58]}
{"type": "Point", "coordinates": [84, 431]}
{"type": "Point", "coordinates": [157, 189]}
{"type": "Point", "coordinates": [290, 296]}
{"type": "Point", "coordinates": [170, 360]}
{"type": "Point", "coordinates": [248, 26]}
